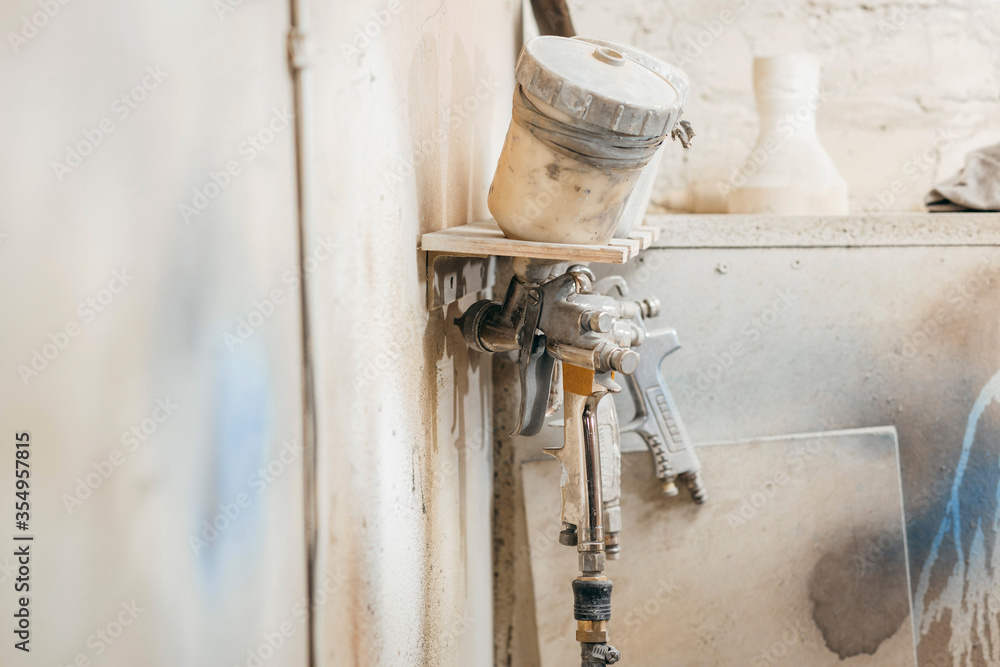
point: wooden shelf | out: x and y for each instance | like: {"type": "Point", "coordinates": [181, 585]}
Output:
{"type": "Point", "coordinates": [484, 239]}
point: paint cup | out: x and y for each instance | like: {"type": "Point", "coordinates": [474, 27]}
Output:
{"type": "Point", "coordinates": [588, 118]}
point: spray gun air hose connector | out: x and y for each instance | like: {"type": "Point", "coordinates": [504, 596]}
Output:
{"type": "Point", "coordinates": [592, 599]}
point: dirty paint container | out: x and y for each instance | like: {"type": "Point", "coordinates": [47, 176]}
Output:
{"type": "Point", "coordinates": [588, 117]}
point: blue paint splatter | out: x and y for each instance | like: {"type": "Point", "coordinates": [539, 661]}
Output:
{"type": "Point", "coordinates": [968, 594]}
{"type": "Point", "coordinates": [242, 414]}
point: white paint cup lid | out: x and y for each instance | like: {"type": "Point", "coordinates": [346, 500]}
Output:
{"type": "Point", "coordinates": [603, 84]}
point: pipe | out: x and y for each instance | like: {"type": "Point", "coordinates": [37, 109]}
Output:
{"type": "Point", "coordinates": [298, 64]}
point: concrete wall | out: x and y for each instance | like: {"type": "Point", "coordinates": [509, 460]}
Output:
{"type": "Point", "coordinates": [408, 121]}
{"type": "Point", "coordinates": [908, 87]}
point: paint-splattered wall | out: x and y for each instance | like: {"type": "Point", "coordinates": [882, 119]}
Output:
{"type": "Point", "coordinates": [411, 103]}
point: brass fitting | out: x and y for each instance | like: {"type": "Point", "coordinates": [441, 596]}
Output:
{"type": "Point", "coordinates": [592, 632]}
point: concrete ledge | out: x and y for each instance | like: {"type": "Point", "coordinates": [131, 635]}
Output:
{"type": "Point", "coordinates": [776, 231]}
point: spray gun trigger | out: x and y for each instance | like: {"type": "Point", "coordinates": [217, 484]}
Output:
{"type": "Point", "coordinates": [607, 380]}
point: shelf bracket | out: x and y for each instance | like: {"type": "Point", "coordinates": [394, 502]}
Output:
{"type": "Point", "coordinates": [450, 277]}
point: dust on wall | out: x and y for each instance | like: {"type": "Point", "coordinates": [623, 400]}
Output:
{"type": "Point", "coordinates": [410, 101]}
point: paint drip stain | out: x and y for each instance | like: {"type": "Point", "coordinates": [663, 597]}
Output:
{"type": "Point", "coordinates": [860, 601]}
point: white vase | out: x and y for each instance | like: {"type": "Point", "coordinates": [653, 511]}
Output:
{"type": "Point", "coordinates": [788, 172]}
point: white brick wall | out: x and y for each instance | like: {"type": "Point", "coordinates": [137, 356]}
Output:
{"type": "Point", "coordinates": [897, 75]}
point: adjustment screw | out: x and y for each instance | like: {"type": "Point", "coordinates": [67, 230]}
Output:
{"type": "Point", "coordinates": [625, 360]}
{"type": "Point", "coordinates": [649, 307]}
{"type": "Point", "coordinates": [599, 321]}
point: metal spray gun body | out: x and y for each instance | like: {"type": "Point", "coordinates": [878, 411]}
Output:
{"type": "Point", "coordinates": [561, 319]}
{"type": "Point", "coordinates": [568, 319]}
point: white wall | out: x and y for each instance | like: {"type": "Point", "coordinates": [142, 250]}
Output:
{"type": "Point", "coordinates": [157, 335]}
{"type": "Point", "coordinates": [408, 126]}
{"type": "Point", "coordinates": [910, 87]}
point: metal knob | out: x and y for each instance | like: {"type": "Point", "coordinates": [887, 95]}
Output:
{"type": "Point", "coordinates": [584, 278]}
{"type": "Point", "coordinates": [599, 321]}
{"type": "Point", "coordinates": [625, 360]}
{"type": "Point", "coordinates": [649, 307]}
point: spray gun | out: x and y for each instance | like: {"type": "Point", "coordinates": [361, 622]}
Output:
{"type": "Point", "coordinates": [588, 117]}
{"type": "Point", "coordinates": [549, 319]}
{"type": "Point", "coordinates": [557, 318]}
{"type": "Point", "coordinates": [655, 416]}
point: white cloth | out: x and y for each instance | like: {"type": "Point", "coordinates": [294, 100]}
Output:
{"type": "Point", "coordinates": [975, 188]}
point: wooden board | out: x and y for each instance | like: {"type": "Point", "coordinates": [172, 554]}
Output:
{"type": "Point", "coordinates": [783, 566]}
{"type": "Point", "coordinates": [485, 238]}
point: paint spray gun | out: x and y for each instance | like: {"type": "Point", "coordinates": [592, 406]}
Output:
{"type": "Point", "coordinates": [563, 324]}
{"type": "Point", "coordinates": [552, 314]}
{"type": "Point", "coordinates": [589, 118]}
